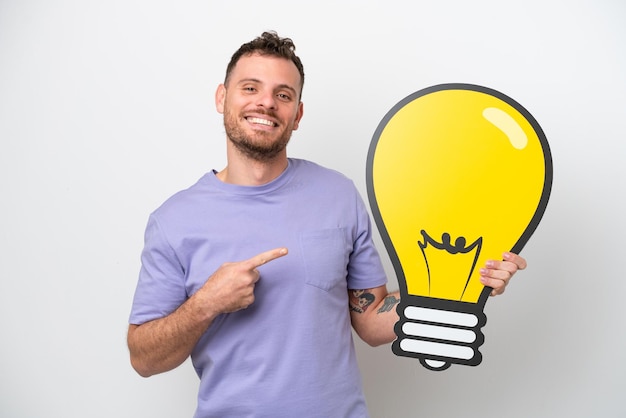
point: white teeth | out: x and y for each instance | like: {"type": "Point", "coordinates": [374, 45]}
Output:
{"type": "Point", "coordinates": [261, 121]}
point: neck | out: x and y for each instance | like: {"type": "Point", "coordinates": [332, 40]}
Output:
{"type": "Point", "coordinates": [244, 171]}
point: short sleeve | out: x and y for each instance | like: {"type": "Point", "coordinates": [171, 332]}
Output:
{"type": "Point", "coordinates": [365, 269]}
{"type": "Point", "coordinates": [161, 285]}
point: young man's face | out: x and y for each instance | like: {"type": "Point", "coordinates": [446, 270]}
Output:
{"type": "Point", "coordinates": [261, 105]}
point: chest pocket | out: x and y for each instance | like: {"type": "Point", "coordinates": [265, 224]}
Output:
{"type": "Point", "coordinates": [325, 253]}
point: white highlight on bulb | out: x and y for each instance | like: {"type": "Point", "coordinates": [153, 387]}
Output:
{"type": "Point", "coordinates": [508, 125]}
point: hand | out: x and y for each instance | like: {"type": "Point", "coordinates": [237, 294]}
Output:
{"type": "Point", "coordinates": [231, 287]}
{"type": "Point", "coordinates": [497, 274]}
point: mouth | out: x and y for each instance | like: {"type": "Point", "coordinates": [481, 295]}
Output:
{"type": "Point", "coordinates": [261, 121]}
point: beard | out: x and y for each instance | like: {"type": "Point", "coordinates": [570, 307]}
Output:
{"type": "Point", "coordinates": [259, 145]}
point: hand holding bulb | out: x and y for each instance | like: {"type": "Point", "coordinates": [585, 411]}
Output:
{"type": "Point", "coordinates": [497, 274]}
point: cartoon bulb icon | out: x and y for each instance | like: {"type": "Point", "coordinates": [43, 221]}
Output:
{"type": "Point", "coordinates": [457, 174]}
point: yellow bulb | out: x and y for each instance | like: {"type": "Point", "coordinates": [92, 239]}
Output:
{"type": "Point", "coordinates": [457, 174]}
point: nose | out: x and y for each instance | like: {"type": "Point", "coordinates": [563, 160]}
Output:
{"type": "Point", "coordinates": [267, 100]}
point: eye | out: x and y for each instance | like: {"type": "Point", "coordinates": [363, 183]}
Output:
{"type": "Point", "coordinates": [284, 97]}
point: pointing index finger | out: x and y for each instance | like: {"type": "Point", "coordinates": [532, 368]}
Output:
{"type": "Point", "coordinates": [266, 257]}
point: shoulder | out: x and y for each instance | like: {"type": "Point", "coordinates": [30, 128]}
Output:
{"type": "Point", "coordinates": [184, 200]}
{"type": "Point", "coordinates": [320, 173]}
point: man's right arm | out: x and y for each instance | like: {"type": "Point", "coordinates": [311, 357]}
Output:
{"type": "Point", "coordinates": [163, 344]}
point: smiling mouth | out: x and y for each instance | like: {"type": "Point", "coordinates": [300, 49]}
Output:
{"type": "Point", "coordinates": [260, 121]}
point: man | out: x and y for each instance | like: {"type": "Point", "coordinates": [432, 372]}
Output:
{"type": "Point", "coordinates": [250, 271]}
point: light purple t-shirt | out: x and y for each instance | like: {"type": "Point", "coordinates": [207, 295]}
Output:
{"type": "Point", "coordinates": [290, 354]}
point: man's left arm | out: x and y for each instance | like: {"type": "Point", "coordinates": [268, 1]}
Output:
{"type": "Point", "coordinates": [373, 311]}
{"type": "Point", "coordinates": [373, 314]}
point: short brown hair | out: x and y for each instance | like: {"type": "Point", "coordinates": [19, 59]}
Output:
{"type": "Point", "coordinates": [269, 43]}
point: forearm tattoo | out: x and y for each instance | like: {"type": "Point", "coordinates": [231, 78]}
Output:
{"type": "Point", "coordinates": [361, 300]}
{"type": "Point", "coordinates": [388, 304]}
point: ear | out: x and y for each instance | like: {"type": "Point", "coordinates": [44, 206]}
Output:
{"type": "Point", "coordinates": [220, 96]}
{"type": "Point", "coordinates": [299, 115]}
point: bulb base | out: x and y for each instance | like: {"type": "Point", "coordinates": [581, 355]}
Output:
{"type": "Point", "coordinates": [439, 332]}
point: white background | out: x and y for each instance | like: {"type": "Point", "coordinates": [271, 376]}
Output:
{"type": "Point", "coordinates": [106, 109]}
